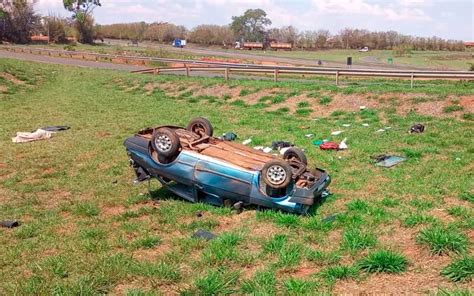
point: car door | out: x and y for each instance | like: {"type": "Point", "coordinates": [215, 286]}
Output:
{"type": "Point", "coordinates": [224, 180]}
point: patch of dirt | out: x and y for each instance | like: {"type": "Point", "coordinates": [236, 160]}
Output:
{"type": "Point", "coordinates": [153, 253]}
{"type": "Point", "coordinates": [111, 211]}
{"type": "Point", "coordinates": [403, 103]}
{"type": "Point", "coordinates": [11, 78]}
{"type": "Point", "coordinates": [219, 91]}
{"type": "Point", "coordinates": [3, 89]}
{"type": "Point", "coordinates": [339, 102]}
{"type": "Point", "coordinates": [52, 199]}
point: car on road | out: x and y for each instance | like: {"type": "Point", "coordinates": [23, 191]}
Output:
{"type": "Point", "coordinates": [198, 167]}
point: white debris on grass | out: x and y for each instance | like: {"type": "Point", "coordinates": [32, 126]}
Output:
{"type": "Point", "coordinates": [365, 124]}
{"type": "Point", "coordinates": [308, 135]}
{"type": "Point", "coordinates": [258, 147]}
{"type": "Point", "coordinates": [246, 142]}
{"type": "Point", "coordinates": [283, 150]}
{"type": "Point", "coordinates": [335, 133]}
{"type": "Point", "coordinates": [267, 149]}
{"type": "Point", "coordinates": [380, 130]}
{"type": "Point", "coordinates": [343, 145]}
{"type": "Point", "coordinates": [346, 125]}
{"type": "Point", "coordinates": [362, 107]}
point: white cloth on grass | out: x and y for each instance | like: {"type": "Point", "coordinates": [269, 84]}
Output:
{"type": "Point", "coordinates": [39, 134]}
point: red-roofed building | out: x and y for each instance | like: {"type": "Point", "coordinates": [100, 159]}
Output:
{"type": "Point", "coordinates": [469, 44]}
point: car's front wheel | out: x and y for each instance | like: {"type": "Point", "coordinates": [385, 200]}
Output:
{"type": "Point", "coordinates": [276, 174]}
{"type": "Point", "coordinates": [165, 142]}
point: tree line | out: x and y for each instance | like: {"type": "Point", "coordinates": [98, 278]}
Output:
{"type": "Point", "coordinates": [18, 22]}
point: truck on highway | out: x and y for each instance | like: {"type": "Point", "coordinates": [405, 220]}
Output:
{"type": "Point", "coordinates": [179, 43]}
{"type": "Point", "coordinates": [280, 46]}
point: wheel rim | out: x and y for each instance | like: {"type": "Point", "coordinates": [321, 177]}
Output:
{"type": "Point", "coordinates": [163, 143]}
{"type": "Point", "coordinates": [199, 129]}
{"type": "Point", "coordinates": [276, 174]}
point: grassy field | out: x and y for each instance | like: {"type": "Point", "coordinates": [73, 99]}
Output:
{"type": "Point", "coordinates": [86, 230]}
{"type": "Point", "coordinates": [440, 60]}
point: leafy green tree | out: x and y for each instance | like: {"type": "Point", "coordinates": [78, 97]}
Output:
{"type": "Point", "coordinates": [251, 25]}
{"type": "Point", "coordinates": [82, 14]}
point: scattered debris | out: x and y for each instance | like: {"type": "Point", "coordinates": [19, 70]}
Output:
{"type": "Point", "coordinates": [329, 146]}
{"type": "Point", "coordinates": [9, 223]}
{"type": "Point", "coordinates": [304, 127]}
{"type": "Point", "coordinates": [346, 125]}
{"type": "Point", "coordinates": [239, 207]}
{"type": "Point", "coordinates": [267, 149]}
{"type": "Point", "coordinates": [258, 147]}
{"type": "Point", "coordinates": [55, 128]}
{"type": "Point", "coordinates": [308, 135]}
{"type": "Point", "coordinates": [246, 142]}
{"type": "Point", "coordinates": [204, 234]}
{"type": "Point", "coordinates": [365, 124]}
{"type": "Point", "coordinates": [335, 133]}
{"type": "Point", "coordinates": [387, 161]}
{"type": "Point", "coordinates": [417, 128]}
{"type": "Point", "coordinates": [199, 214]}
{"type": "Point", "coordinates": [380, 130]}
{"type": "Point", "coordinates": [24, 137]}
{"type": "Point", "coordinates": [283, 150]}
{"type": "Point", "coordinates": [362, 107]}
{"type": "Point", "coordinates": [343, 145]}
{"type": "Point", "coordinates": [330, 218]}
{"type": "Point", "coordinates": [278, 145]}
{"type": "Point", "coordinates": [229, 136]}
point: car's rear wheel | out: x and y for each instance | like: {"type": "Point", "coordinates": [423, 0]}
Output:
{"type": "Point", "coordinates": [295, 154]}
{"type": "Point", "coordinates": [200, 126]}
{"type": "Point", "coordinates": [276, 173]}
{"type": "Point", "coordinates": [165, 142]}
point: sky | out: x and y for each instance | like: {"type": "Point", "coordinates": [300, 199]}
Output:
{"type": "Point", "coordinates": [449, 19]}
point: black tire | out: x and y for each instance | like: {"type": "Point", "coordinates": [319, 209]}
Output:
{"type": "Point", "coordinates": [165, 142]}
{"type": "Point", "coordinates": [276, 173]}
{"type": "Point", "coordinates": [295, 154]}
{"type": "Point", "coordinates": [200, 126]}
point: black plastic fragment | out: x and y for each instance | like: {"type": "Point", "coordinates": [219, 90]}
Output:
{"type": "Point", "coordinates": [9, 223]}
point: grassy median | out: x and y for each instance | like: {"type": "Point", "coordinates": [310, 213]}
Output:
{"type": "Point", "coordinates": [85, 229]}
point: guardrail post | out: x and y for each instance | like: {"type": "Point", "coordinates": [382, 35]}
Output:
{"type": "Point", "coordinates": [275, 75]}
{"type": "Point", "coordinates": [337, 77]}
{"type": "Point", "coordinates": [187, 70]}
{"type": "Point", "coordinates": [226, 74]}
{"type": "Point", "coordinates": [411, 80]}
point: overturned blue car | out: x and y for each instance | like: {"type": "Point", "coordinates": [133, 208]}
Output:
{"type": "Point", "coordinates": [198, 167]}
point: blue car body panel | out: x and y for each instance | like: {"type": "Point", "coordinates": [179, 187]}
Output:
{"type": "Point", "coordinates": [196, 177]}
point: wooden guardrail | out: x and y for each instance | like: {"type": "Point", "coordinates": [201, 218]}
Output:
{"type": "Point", "coordinates": [227, 68]}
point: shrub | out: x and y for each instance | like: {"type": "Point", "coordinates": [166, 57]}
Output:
{"type": "Point", "coordinates": [384, 261]}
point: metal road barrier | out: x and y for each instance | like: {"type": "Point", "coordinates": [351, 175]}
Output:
{"type": "Point", "coordinates": [227, 68]}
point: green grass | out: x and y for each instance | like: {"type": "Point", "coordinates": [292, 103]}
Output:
{"type": "Point", "coordinates": [441, 240]}
{"type": "Point", "coordinates": [452, 108]}
{"type": "Point", "coordinates": [324, 100]}
{"type": "Point", "coordinates": [337, 272]}
{"type": "Point", "coordinates": [216, 283]}
{"type": "Point", "coordinates": [460, 270]}
{"type": "Point", "coordinates": [384, 261]}
{"type": "Point", "coordinates": [85, 229]}
{"type": "Point", "coordinates": [356, 239]}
